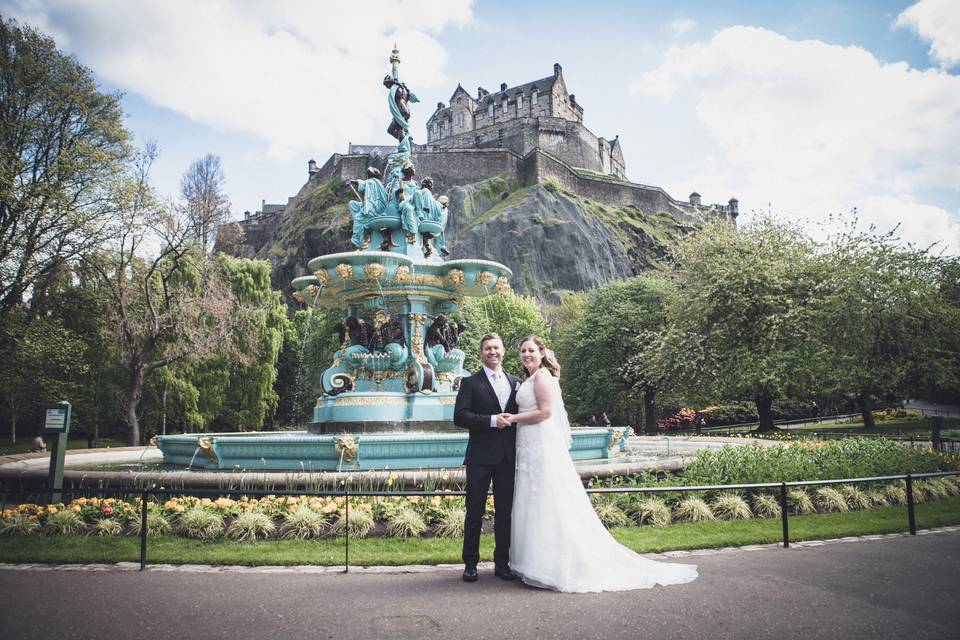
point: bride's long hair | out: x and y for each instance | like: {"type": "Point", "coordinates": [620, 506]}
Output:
{"type": "Point", "coordinates": [549, 361]}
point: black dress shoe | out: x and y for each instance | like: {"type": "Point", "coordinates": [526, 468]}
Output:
{"type": "Point", "coordinates": [505, 574]}
{"type": "Point", "coordinates": [470, 574]}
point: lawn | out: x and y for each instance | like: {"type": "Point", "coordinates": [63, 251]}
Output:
{"type": "Point", "coordinates": [25, 445]}
{"type": "Point", "coordinates": [391, 551]}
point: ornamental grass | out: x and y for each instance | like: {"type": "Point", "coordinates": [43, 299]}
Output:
{"type": "Point", "coordinates": [250, 526]}
{"type": "Point", "coordinates": [896, 493]}
{"type": "Point", "coordinates": [693, 510]}
{"type": "Point", "coordinates": [800, 502]}
{"type": "Point", "coordinates": [730, 506]}
{"type": "Point", "coordinates": [303, 524]}
{"type": "Point", "coordinates": [450, 524]}
{"type": "Point", "coordinates": [610, 514]}
{"type": "Point", "coordinates": [766, 506]}
{"type": "Point", "coordinates": [19, 524]}
{"type": "Point", "coordinates": [157, 525]}
{"type": "Point", "coordinates": [857, 498]}
{"type": "Point", "coordinates": [64, 522]}
{"type": "Point", "coordinates": [406, 523]}
{"type": "Point", "coordinates": [831, 500]}
{"type": "Point", "coordinates": [105, 527]}
{"type": "Point", "coordinates": [359, 524]}
{"type": "Point", "coordinates": [200, 524]}
{"type": "Point", "coordinates": [653, 511]}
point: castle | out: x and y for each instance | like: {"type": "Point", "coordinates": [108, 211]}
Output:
{"type": "Point", "coordinates": [525, 134]}
{"type": "Point", "coordinates": [536, 115]}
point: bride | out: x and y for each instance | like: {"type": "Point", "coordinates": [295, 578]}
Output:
{"type": "Point", "coordinates": [557, 540]}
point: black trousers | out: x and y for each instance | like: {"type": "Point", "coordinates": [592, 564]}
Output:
{"type": "Point", "coordinates": [479, 477]}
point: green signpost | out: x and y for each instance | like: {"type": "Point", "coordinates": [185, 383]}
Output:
{"type": "Point", "coordinates": [56, 425]}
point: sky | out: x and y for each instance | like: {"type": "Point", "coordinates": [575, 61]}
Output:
{"type": "Point", "coordinates": [804, 109]}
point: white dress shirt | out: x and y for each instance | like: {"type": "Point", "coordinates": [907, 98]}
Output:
{"type": "Point", "coordinates": [501, 386]}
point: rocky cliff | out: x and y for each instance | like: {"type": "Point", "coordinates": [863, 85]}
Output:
{"type": "Point", "coordinates": [553, 239]}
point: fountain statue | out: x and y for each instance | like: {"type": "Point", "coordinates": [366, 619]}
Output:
{"type": "Point", "coordinates": [389, 395]}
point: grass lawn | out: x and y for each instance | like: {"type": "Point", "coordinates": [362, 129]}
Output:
{"type": "Point", "coordinates": [25, 445]}
{"type": "Point", "coordinates": [390, 551]}
{"type": "Point", "coordinates": [914, 427]}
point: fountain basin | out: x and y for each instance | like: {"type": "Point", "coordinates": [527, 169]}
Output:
{"type": "Point", "coordinates": [302, 451]}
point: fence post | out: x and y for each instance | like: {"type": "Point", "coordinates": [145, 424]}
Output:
{"type": "Point", "coordinates": [143, 530]}
{"type": "Point", "coordinates": [346, 529]}
{"type": "Point", "coordinates": [910, 514]}
{"type": "Point", "coordinates": [783, 514]}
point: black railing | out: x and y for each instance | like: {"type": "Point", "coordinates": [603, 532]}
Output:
{"type": "Point", "coordinates": [781, 487]}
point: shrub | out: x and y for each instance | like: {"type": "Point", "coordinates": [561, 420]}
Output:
{"type": "Point", "coordinates": [800, 501]}
{"type": "Point", "coordinates": [407, 523]}
{"type": "Point", "coordinates": [831, 500]}
{"type": "Point", "coordinates": [250, 526]}
{"type": "Point", "coordinates": [552, 184]}
{"type": "Point", "coordinates": [105, 527]}
{"type": "Point", "coordinates": [653, 511]}
{"type": "Point", "coordinates": [451, 522]}
{"type": "Point", "coordinates": [610, 514]}
{"type": "Point", "coordinates": [935, 488]}
{"type": "Point", "coordinates": [359, 524]}
{"type": "Point", "coordinates": [766, 506]}
{"type": "Point", "coordinates": [200, 524]}
{"type": "Point", "coordinates": [63, 523]}
{"type": "Point", "coordinates": [693, 510]}
{"type": "Point", "coordinates": [157, 525]}
{"type": "Point", "coordinates": [729, 506]}
{"type": "Point", "coordinates": [856, 497]}
{"type": "Point", "coordinates": [18, 524]}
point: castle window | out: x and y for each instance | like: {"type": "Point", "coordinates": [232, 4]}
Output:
{"type": "Point", "coordinates": [519, 102]}
{"type": "Point", "coordinates": [534, 97]}
{"type": "Point", "coordinates": [460, 120]}
{"type": "Point", "coordinates": [504, 105]}
{"type": "Point", "coordinates": [476, 140]}
{"type": "Point", "coordinates": [460, 100]}
{"type": "Point", "coordinates": [490, 109]}
{"type": "Point", "coordinates": [500, 135]}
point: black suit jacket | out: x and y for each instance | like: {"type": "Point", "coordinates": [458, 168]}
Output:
{"type": "Point", "coordinates": [476, 402]}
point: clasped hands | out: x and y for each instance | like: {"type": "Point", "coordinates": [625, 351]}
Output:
{"type": "Point", "coordinates": [504, 420]}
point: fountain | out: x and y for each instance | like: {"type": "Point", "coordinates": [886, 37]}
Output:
{"type": "Point", "coordinates": [388, 398]}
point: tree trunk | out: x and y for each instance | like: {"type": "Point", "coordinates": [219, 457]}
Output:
{"type": "Point", "coordinates": [649, 418]}
{"type": "Point", "coordinates": [866, 410]}
{"type": "Point", "coordinates": [765, 412]}
{"type": "Point", "coordinates": [131, 403]}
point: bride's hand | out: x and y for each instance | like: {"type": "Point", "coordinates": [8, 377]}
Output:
{"type": "Point", "coordinates": [504, 420]}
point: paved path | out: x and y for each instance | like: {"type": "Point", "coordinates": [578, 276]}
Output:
{"type": "Point", "coordinates": [884, 587]}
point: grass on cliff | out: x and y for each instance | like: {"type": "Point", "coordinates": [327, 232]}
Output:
{"type": "Point", "coordinates": [393, 551]}
{"type": "Point", "coordinates": [514, 199]}
{"type": "Point", "coordinates": [323, 205]}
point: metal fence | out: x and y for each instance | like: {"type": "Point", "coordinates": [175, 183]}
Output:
{"type": "Point", "coordinates": [782, 488]}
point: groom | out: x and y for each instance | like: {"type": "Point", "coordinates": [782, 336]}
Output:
{"type": "Point", "coordinates": [491, 454]}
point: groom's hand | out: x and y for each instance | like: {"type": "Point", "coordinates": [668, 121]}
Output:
{"type": "Point", "coordinates": [504, 420]}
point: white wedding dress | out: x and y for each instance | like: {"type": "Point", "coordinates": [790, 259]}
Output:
{"type": "Point", "coordinates": [557, 541]}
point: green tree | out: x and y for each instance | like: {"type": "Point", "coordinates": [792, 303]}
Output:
{"type": "Point", "coordinates": [887, 317]}
{"type": "Point", "coordinates": [176, 306]}
{"type": "Point", "coordinates": [513, 317]}
{"type": "Point", "coordinates": [608, 350]}
{"type": "Point", "coordinates": [61, 143]}
{"type": "Point", "coordinates": [742, 325]}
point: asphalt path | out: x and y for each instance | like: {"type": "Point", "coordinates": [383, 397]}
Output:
{"type": "Point", "coordinates": [886, 587]}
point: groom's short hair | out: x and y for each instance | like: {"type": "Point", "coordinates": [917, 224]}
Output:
{"type": "Point", "coordinates": [490, 336]}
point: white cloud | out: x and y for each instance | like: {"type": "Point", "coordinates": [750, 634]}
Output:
{"type": "Point", "coordinates": [937, 22]}
{"type": "Point", "coordinates": [816, 129]}
{"type": "Point", "coordinates": [681, 26]}
{"type": "Point", "coordinates": [302, 76]}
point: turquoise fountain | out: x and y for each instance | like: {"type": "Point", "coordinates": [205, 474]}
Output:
{"type": "Point", "coordinates": [388, 398]}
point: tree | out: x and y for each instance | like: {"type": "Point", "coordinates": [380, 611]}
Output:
{"type": "Point", "coordinates": [176, 306]}
{"type": "Point", "coordinates": [887, 316]}
{"type": "Point", "coordinates": [309, 342]}
{"type": "Point", "coordinates": [607, 349]}
{"type": "Point", "coordinates": [61, 143]}
{"type": "Point", "coordinates": [205, 204]}
{"type": "Point", "coordinates": [513, 317]}
{"type": "Point", "coordinates": [742, 325]}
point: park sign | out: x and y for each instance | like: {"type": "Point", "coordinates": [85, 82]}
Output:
{"type": "Point", "coordinates": [57, 418]}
